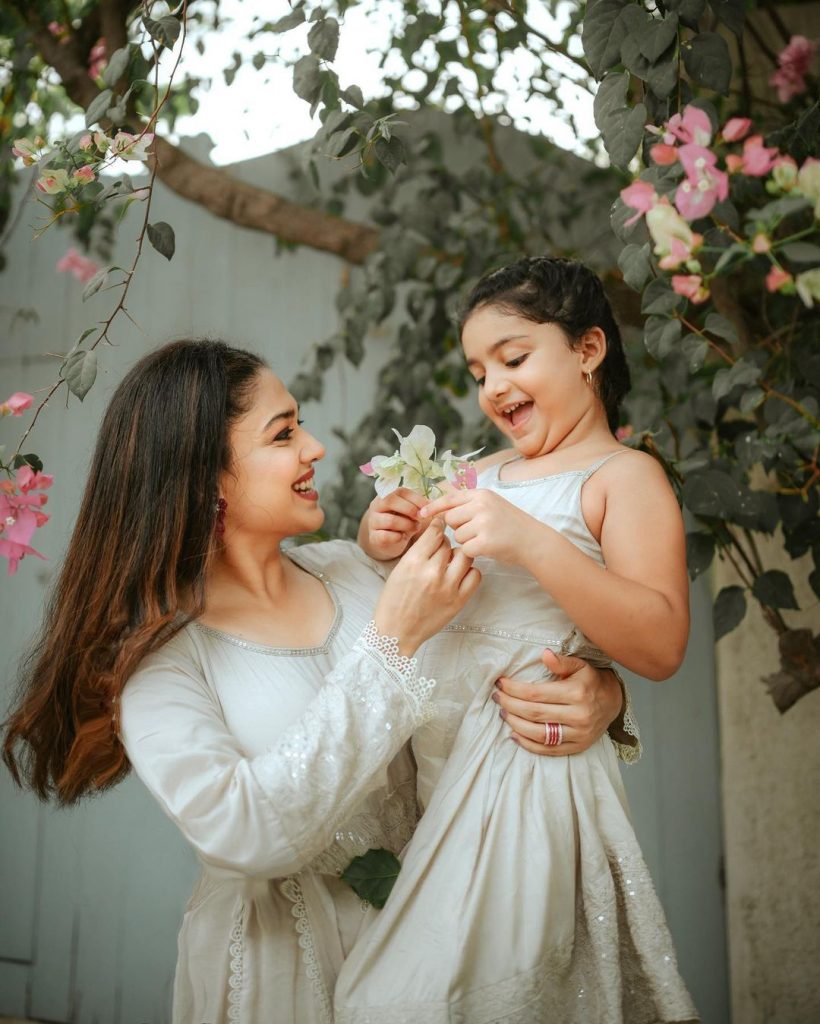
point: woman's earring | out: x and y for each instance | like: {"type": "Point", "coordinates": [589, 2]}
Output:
{"type": "Point", "coordinates": [221, 509]}
{"type": "Point", "coordinates": [589, 378]}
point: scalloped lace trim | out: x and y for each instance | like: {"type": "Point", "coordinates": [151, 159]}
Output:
{"type": "Point", "coordinates": [404, 670]}
{"type": "Point", "coordinates": [237, 950]}
{"type": "Point", "coordinates": [629, 753]}
{"type": "Point", "coordinates": [292, 891]}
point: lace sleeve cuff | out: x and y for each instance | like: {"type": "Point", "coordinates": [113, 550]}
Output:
{"type": "Point", "coordinates": [624, 731]}
{"type": "Point", "coordinates": [385, 651]}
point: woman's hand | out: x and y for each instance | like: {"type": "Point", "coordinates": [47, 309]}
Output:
{"type": "Point", "coordinates": [584, 700]}
{"type": "Point", "coordinates": [430, 585]}
{"type": "Point", "coordinates": [484, 523]}
{"type": "Point", "coordinates": [391, 524]}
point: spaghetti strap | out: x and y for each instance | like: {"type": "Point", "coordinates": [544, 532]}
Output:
{"type": "Point", "coordinates": [600, 462]}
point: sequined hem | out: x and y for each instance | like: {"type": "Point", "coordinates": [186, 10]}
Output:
{"type": "Point", "coordinates": [292, 891]}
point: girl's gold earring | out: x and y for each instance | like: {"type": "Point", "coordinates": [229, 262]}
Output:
{"type": "Point", "coordinates": [589, 378]}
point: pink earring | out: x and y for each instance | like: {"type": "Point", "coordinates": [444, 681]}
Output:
{"type": "Point", "coordinates": [221, 509]}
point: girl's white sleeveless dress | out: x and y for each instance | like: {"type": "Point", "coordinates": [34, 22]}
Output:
{"type": "Point", "coordinates": [523, 896]}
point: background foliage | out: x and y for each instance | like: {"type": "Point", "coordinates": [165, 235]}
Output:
{"type": "Point", "coordinates": [726, 371]}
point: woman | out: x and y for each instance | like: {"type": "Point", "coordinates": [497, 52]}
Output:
{"type": "Point", "coordinates": [264, 697]}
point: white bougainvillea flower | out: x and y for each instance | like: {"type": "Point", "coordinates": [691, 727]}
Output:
{"type": "Point", "coordinates": [53, 182]}
{"type": "Point", "coordinates": [131, 147]}
{"type": "Point", "coordinates": [418, 447]}
{"type": "Point", "coordinates": [416, 467]}
{"type": "Point", "coordinates": [387, 471]}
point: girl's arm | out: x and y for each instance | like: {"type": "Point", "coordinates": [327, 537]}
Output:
{"type": "Point", "coordinates": [636, 609]}
{"type": "Point", "coordinates": [269, 815]}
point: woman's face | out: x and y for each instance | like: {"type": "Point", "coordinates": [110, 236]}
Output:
{"type": "Point", "coordinates": [530, 382]}
{"type": "Point", "coordinates": [269, 489]}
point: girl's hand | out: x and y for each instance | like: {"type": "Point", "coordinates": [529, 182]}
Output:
{"type": "Point", "coordinates": [583, 699]}
{"type": "Point", "coordinates": [485, 524]}
{"type": "Point", "coordinates": [391, 524]}
{"type": "Point", "coordinates": [428, 587]}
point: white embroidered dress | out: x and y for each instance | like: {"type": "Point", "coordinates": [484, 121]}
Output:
{"type": "Point", "coordinates": [279, 766]}
{"type": "Point", "coordinates": [523, 896]}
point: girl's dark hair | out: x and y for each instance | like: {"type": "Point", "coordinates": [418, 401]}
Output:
{"type": "Point", "coordinates": [141, 546]}
{"type": "Point", "coordinates": [565, 293]}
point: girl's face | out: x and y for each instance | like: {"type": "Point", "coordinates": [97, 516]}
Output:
{"type": "Point", "coordinates": [269, 489]}
{"type": "Point", "coordinates": [531, 384]}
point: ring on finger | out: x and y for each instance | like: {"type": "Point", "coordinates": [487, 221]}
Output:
{"type": "Point", "coordinates": [553, 734]}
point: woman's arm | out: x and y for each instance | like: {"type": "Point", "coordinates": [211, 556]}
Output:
{"type": "Point", "coordinates": [272, 814]}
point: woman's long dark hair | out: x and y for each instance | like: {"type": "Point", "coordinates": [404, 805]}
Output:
{"type": "Point", "coordinates": [570, 295]}
{"type": "Point", "coordinates": [140, 548]}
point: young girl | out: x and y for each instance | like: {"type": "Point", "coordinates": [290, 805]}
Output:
{"type": "Point", "coordinates": [523, 896]}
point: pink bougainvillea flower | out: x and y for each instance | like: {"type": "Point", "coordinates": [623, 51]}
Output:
{"type": "Point", "coordinates": [761, 243]}
{"type": "Point", "coordinates": [28, 480]}
{"type": "Point", "coordinates": [704, 185]}
{"type": "Point", "coordinates": [53, 182]}
{"type": "Point", "coordinates": [794, 62]}
{"type": "Point", "coordinates": [27, 149]}
{"type": "Point", "coordinates": [14, 553]}
{"type": "Point", "coordinates": [640, 196]}
{"type": "Point", "coordinates": [101, 141]}
{"type": "Point", "coordinates": [83, 175]}
{"type": "Point", "coordinates": [693, 126]}
{"type": "Point", "coordinates": [736, 128]}
{"type": "Point", "coordinates": [86, 142]}
{"type": "Point", "coordinates": [663, 154]}
{"type": "Point", "coordinates": [691, 286]}
{"type": "Point", "coordinates": [81, 267]}
{"type": "Point", "coordinates": [777, 278]}
{"type": "Point", "coordinates": [625, 432]}
{"type": "Point", "coordinates": [16, 404]}
{"type": "Point", "coordinates": [97, 59]}
{"type": "Point", "coordinates": [757, 158]}
{"type": "Point", "coordinates": [131, 147]}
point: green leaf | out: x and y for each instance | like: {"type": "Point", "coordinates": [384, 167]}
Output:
{"type": "Point", "coordinates": [731, 13]}
{"type": "Point", "coordinates": [775, 590]}
{"type": "Point", "coordinates": [97, 107]}
{"type": "Point", "coordinates": [292, 20]}
{"type": "Point", "coordinates": [719, 325]}
{"type": "Point", "coordinates": [79, 371]}
{"type": "Point", "coordinates": [659, 37]}
{"type": "Point", "coordinates": [165, 30]}
{"type": "Point", "coordinates": [661, 335]}
{"type": "Point", "coordinates": [662, 78]}
{"type": "Point", "coordinates": [700, 550]}
{"type": "Point", "coordinates": [30, 459]}
{"type": "Point", "coordinates": [117, 65]}
{"type": "Point", "coordinates": [161, 236]}
{"type": "Point", "coordinates": [751, 399]}
{"type": "Point", "coordinates": [659, 297]}
{"type": "Point", "coordinates": [307, 78]}
{"type": "Point", "coordinates": [323, 38]}
{"type": "Point", "coordinates": [695, 349]}
{"type": "Point", "coordinates": [728, 612]}
{"type": "Point", "coordinates": [707, 60]}
{"type": "Point", "coordinates": [801, 252]}
{"type": "Point", "coordinates": [373, 875]}
{"type": "Point", "coordinates": [779, 208]}
{"type": "Point", "coordinates": [726, 257]}
{"type": "Point", "coordinates": [259, 60]}
{"type": "Point", "coordinates": [711, 493]}
{"type": "Point", "coordinates": [602, 35]}
{"type": "Point", "coordinates": [353, 95]}
{"type": "Point", "coordinates": [742, 372]}
{"type": "Point", "coordinates": [621, 127]}
{"type": "Point", "coordinates": [391, 154]}
{"type": "Point", "coordinates": [689, 11]}
{"type": "Point", "coordinates": [96, 282]}
{"type": "Point", "coordinates": [635, 264]}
